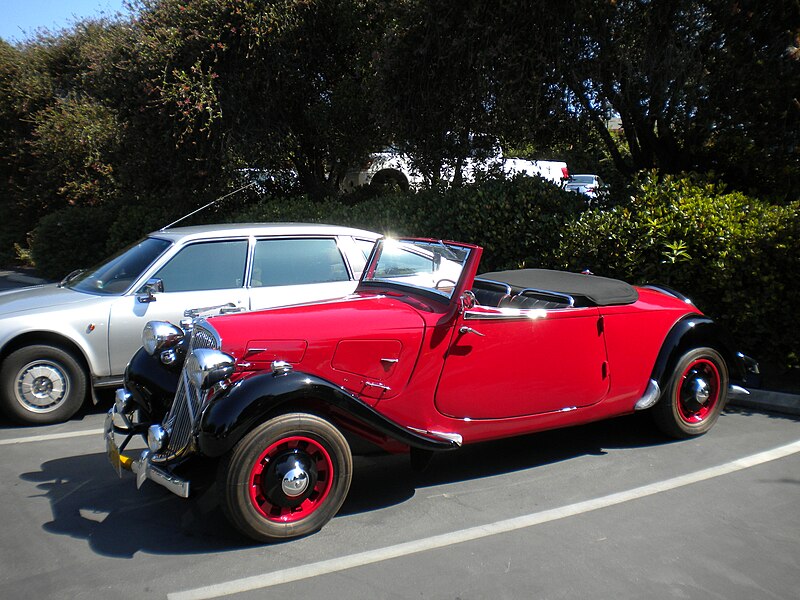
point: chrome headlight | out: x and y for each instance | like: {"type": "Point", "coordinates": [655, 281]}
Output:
{"type": "Point", "coordinates": [160, 335]}
{"type": "Point", "coordinates": [205, 367]}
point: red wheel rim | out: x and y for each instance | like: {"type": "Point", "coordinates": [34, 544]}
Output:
{"type": "Point", "coordinates": [268, 482]}
{"type": "Point", "coordinates": [698, 391]}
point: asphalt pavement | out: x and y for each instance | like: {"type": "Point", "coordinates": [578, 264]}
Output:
{"type": "Point", "coordinates": [756, 399]}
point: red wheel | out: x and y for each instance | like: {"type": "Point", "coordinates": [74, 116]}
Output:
{"type": "Point", "coordinates": [286, 478]}
{"type": "Point", "coordinates": [291, 479]}
{"type": "Point", "coordinates": [695, 395]}
{"type": "Point", "coordinates": [698, 393]}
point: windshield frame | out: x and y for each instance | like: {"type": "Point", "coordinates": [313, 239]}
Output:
{"type": "Point", "coordinates": [420, 246]}
{"type": "Point", "coordinates": [90, 281]}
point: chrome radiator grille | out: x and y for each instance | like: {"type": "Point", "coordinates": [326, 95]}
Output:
{"type": "Point", "coordinates": [185, 410]}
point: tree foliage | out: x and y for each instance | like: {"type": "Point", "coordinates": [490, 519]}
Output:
{"type": "Point", "coordinates": [174, 103]}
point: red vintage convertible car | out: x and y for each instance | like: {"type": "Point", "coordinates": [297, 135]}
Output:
{"type": "Point", "coordinates": [425, 356]}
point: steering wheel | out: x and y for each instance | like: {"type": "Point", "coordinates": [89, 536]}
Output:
{"type": "Point", "coordinates": [445, 285]}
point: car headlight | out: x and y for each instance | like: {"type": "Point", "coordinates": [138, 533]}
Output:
{"type": "Point", "coordinates": [205, 367]}
{"type": "Point", "coordinates": [160, 335]}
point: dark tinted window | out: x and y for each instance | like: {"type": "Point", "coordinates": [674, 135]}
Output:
{"type": "Point", "coordinates": [206, 266]}
{"type": "Point", "coordinates": [297, 262]}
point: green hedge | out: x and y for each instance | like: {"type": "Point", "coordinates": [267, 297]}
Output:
{"type": "Point", "coordinates": [737, 257]}
{"type": "Point", "coordinates": [69, 239]}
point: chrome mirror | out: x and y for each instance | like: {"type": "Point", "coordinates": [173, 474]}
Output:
{"type": "Point", "coordinates": [149, 289]}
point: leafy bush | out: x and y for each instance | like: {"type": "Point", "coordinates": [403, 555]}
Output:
{"type": "Point", "coordinates": [70, 239]}
{"type": "Point", "coordinates": [734, 255]}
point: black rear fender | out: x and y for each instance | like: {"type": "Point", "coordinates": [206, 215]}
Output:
{"type": "Point", "coordinates": [696, 331]}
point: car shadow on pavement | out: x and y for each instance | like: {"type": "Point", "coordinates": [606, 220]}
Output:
{"type": "Point", "coordinates": [395, 481]}
{"type": "Point", "coordinates": [89, 502]}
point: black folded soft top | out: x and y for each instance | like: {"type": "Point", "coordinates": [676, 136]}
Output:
{"type": "Point", "coordinates": [599, 291]}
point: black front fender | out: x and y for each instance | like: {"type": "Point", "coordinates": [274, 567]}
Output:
{"type": "Point", "coordinates": [251, 401]}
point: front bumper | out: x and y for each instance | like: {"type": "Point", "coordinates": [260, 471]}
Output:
{"type": "Point", "coordinates": [121, 424]}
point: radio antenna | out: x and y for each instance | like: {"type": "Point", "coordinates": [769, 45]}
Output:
{"type": "Point", "coordinates": [205, 206]}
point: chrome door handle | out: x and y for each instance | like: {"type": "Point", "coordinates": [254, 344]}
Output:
{"type": "Point", "coordinates": [464, 329]}
{"type": "Point", "coordinates": [378, 385]}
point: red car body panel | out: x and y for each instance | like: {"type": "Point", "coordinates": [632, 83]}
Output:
{"type": "Point", "coordinates": [405, 355]}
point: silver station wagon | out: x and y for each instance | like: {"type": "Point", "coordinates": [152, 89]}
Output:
{"type": "Point", "coordinates": [59, 341]}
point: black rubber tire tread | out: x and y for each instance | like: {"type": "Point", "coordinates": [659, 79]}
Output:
{"type": "Point", "coordinates": [389, 180]}
{"type": "Point", "coordinates": [234, 470]}
{"type": "Point", "coordinates": [73, 370]}
{"type": "Point", "coordinates": [665, 412]}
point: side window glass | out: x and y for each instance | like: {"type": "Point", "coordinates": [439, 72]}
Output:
{"type": "Point", "coordinates": [297, 262]}
{"type": "Point", "coordinates": [206, 266]}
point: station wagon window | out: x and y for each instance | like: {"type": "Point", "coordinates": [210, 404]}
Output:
{"type": "Point", "coordinates": [206, 266]}
{"type": "Point", "coordinates": [297, 262]}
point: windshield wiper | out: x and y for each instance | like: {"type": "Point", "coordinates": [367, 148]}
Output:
{"type": "Point", "coordinates": [70, 277]}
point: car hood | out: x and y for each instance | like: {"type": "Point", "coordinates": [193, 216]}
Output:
{"type": "Point", "coordinates": [365, 344]}
{"type": "Point", "coordinates": [318, 323]}
{"type": "Point", "coordinates": [32, 299]}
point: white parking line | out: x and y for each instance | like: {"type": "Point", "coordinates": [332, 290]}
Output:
{"type": "Point", "coordinates": [361, 559]}
{"type": "Point", "coordinates": [52, 436]}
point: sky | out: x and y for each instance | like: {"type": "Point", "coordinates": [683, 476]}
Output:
{"type": "Point", "coordinates": [19, 19]}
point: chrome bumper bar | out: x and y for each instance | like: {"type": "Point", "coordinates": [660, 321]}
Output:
{"type": "Point", "coordinates": [141, 466]}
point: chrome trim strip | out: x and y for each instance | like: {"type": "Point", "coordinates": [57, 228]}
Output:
{"type": "Point", "coordinates": [650, 397]}
{"type": "Point", "coordinates": [668, 291]}
{"type": "Point", "coordinates": [501, 314]}
{"type": "Point", "coordinates": [108, 381]}
{"type": "Point", "coordinates": [450, 437]}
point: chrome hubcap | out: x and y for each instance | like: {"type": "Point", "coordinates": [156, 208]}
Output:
{"type": "Point", "coordinates": [41, 386]}
{"type": "Point", "coordinates": [698, 394]}
{"type": "Point", "coordinates": [701, 391]}
{"type": "Point", "coordinates": [295, 482]}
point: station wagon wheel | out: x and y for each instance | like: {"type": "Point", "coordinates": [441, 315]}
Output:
{"type": "Point", "coordinates": [286, 478]}
{"type": "Point", "coordinates": [41, 384]}
{"type": "Point", "coordinates": [695, 395]}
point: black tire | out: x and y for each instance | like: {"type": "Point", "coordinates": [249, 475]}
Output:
{"type": "Point", "coordinates": [695, 395]}
{"type": "Point", "coordinates": [286, 478]}
{"type": "Point", "coordinates": [41, 384]}
{"type": "Point", "coordinates": [388, 181]}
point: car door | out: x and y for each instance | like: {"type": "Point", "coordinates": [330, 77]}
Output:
{"type": "Point", "coordinates": [296, 270]}
{"type": "Point", "coordinates": [201, 274]}
{"type": "Point", "coordinates": [505, 363]}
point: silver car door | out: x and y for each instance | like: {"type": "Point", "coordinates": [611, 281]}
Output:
{"type": "Point", "coordinates": [202, 274]}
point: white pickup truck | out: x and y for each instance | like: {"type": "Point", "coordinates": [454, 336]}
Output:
{"type": "Point", "coordinates": [393, 168]}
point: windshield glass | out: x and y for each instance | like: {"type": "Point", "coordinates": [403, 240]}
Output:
{"type": "Point", "coordinates": [119, 272]}
{"type": "Point", "coordinates": [425, 265]}
{"type": "Point", "coordinates": [582, 179]}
